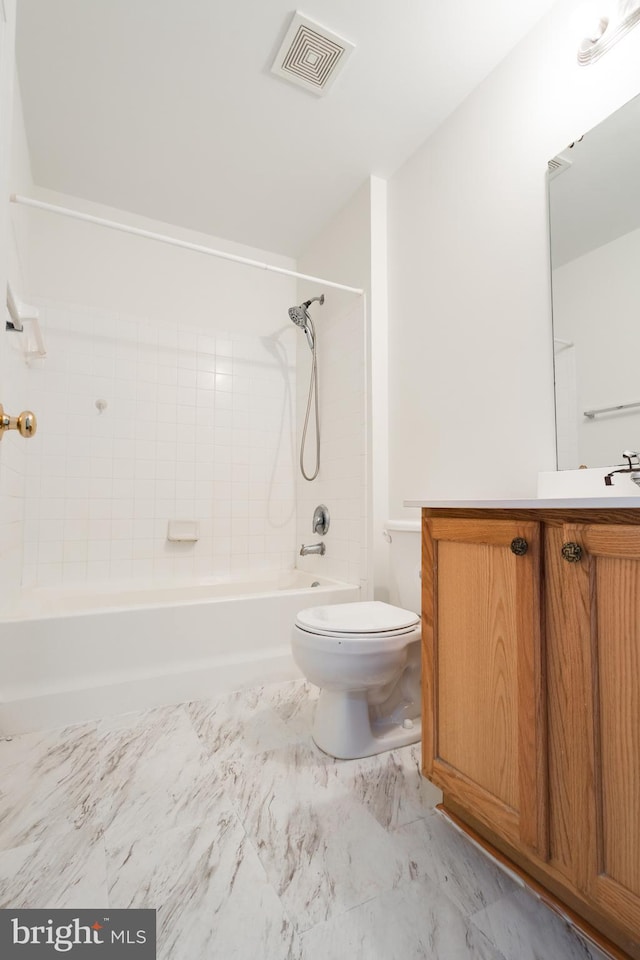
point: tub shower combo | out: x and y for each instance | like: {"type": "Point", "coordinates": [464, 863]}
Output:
{"type": "Point", "coordinates": [73, 653]}
{"type": "Point", "coordinates": [78, 652]}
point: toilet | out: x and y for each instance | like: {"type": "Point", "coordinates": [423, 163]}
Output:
{"type": "Point", "coordinates": [365, 657]}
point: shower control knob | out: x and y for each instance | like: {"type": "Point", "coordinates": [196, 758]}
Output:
{"type": "Point", "coordinates": [26, 423]}
{"type": "Point", "coordinates": [321, 520]}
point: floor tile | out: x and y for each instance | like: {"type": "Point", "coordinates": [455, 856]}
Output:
{"type": "Point", "coordinates": [66, 867]}
{"type": "Point", "coordinates": [414, 922]}
{"type": "Point", "coordinates": [154, 774]}
{"type": "Point", "coordinates": [391, 786]}
{"type": "Point", "coordinates": [526, 929]}
{"type": "Point", "coordinates": [465, 873]}
{"type": "Point", "coordinates": [295, 704]}
{"type": "Point", "coordinates": [323, 851]}
{"type": "Point", "coordinates": [240, 724]}
{"type": "Point", "coordinates": [46, 778]}
{"type": "Point", "coordinates": [210, 890]}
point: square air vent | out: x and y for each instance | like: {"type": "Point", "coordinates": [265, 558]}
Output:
{"type": "Point", "coordinates": [311, 56]}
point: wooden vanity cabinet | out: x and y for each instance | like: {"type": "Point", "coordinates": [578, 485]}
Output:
{"type": "Point", "coordinates": [531, 687]}
{"type": "Point", "coordinates": [484, 737]}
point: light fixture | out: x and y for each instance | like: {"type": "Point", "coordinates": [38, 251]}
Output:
{"type": "Point", "coordinates": [611, 27]}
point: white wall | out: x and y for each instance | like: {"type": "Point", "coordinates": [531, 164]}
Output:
{"type": "Point", "coordinates": [596, 299]}
{"type": "Point", "coordinates": [21, 181]}
{"type": "Point", "coordinates": [342, 253]}
{"type": "Point", "coordinates": [13, 393]}
{"type": "Point", "coordinates": [471, 381]}
{"type": "Point", "coordinates": [82, 263]}
{"type": "Point", "coordinates": [378, 394]}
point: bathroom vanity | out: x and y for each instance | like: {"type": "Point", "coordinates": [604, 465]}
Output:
{"type": "Point", "coordinates": [531, 692]}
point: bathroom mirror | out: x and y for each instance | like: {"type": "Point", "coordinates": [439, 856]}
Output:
{"type": "Point", "coordinates": [594, 213]}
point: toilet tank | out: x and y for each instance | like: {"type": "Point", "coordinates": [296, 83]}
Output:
{"type": "Point", "coordinates": [404, 563]}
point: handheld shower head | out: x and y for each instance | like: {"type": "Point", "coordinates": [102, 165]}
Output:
{"type": "Point", "coordinates": [301, 318]}
{"type": "Point", "coordinates": [298, 315]}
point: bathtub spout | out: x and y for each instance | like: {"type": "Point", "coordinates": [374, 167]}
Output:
{"type": "Point", "coordinates": [310, 548]}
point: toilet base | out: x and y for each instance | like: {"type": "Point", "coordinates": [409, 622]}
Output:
{"type": "Point", "coordinates": [343, 727]}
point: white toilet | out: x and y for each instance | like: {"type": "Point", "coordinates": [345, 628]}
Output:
{"type": "Point", "coordinates": [365, 657]}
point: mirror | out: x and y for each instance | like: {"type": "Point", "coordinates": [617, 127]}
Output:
{"type": "Point", "coordinates": [594, 213]}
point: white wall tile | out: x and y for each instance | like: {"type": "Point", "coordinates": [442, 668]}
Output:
{"type": "Point", "coordinates": [341, 481]}
{"type": "Point", "coordinates": [100, 488]}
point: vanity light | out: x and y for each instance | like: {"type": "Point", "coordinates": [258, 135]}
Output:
{"type": "Point", "coordinates": [609, 29]}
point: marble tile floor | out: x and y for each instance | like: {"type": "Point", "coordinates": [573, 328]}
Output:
{"type": "Point", "coordinates": [254, 845]}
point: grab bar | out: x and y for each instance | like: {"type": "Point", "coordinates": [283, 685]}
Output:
{"type": "Point", "coordinates": [590, 414]}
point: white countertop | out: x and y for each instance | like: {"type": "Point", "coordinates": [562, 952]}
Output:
{"type": "Point", "coordinates": [536, 503]}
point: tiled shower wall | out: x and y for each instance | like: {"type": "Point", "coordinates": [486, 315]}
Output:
{"type": "Point", "coordinates": [340, 484]}
{"type": "Point", "coordinates": [195, 426]}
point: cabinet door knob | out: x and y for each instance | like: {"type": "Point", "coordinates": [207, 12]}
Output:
{"type": "Point", "coordinates": [571, 552]}
{"type": "Point", "coordinates": [519, 546]}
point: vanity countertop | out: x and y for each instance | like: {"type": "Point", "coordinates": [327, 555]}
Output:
{"type": "Point", "coordinates": [535, 503]}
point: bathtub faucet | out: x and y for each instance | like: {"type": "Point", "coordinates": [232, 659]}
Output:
{"type": "Point", "coordinates": [308, 548]}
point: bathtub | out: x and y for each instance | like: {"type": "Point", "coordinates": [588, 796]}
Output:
{"type": "Point", "coordinates": [72, 656]}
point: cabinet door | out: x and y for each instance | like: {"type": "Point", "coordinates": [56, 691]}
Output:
{"type": "Point", "coordinates": [603, 588]}
{"type": "Point", "coordinates": [484, 735]}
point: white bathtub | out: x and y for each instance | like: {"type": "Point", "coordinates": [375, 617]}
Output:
{"type": "Point", "coordinates": [67, 657]}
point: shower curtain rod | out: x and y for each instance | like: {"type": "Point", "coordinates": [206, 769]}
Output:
{"type": "Point", "coordinates": [136, 231]}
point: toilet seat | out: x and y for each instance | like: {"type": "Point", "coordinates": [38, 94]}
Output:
{"type": "Point", "coordinates": [357, 626]}
{"type": "Point", "coordinates": [369, 616]}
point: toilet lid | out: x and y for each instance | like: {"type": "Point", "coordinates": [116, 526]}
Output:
{"type": "Point", "coordinates": [365, 617]}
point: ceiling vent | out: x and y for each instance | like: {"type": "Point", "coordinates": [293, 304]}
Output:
{"type": "Point", "coordinates": [311, 56]}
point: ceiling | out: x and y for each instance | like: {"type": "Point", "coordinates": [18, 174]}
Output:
{"type": "Point", "coordinates": [170, 110]}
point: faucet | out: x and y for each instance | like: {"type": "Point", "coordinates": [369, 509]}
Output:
{"type": "Point", "coordinates": [311, 548]}
{"type": "Point", "coordinates": [628, 456]}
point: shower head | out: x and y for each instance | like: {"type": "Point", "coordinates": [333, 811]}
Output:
{"type": "Point", "coordinates": [298, 315]}
{"type": "Point", "coordinates": [301, 318]}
